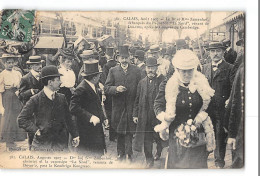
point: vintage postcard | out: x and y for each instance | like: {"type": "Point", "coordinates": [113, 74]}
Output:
{"type": "Point", "coordinates": [118, 89]}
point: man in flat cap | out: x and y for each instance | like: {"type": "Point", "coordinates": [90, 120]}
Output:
{"type": "Point", "coordinates": [47, 116]}
{"type": "Point", "coordinates": [30, 84]}
{"type": "Point", "coordinates": [218, 73]}
{"type": "Point", "coordinates": [86, 106]}
{"type": "Point", "coordinates": [122, 83]}
{"type": "Point", "coordinates": [143, 113]}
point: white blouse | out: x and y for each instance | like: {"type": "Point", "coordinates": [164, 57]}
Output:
{"type": "Point", "coordinates": [9, 79]}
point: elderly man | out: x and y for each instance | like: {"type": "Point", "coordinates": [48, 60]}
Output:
{"type": "Point", "coordinates": [218, 73]}
{"type": "Point", "coordinates": [143, 113]}
{"type": "Point", "coordinates": [122, 83]}
{"type": "Point", "coordinates": [47, 115]}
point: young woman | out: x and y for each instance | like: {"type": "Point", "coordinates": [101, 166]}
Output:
{"type": "Point", "coordinates": [180, 105]}
{"type": "Point", "coordinates": [10, 106]}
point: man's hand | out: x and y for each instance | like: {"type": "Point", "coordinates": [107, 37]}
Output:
{"type": "Point", "coordinates": [135, 119]}
{"type": "Point", "coordinates": [121, 89]}
{"type": "Point", "coordinates": [104, 97]}
{"type": "Point", "coordinates": [75, 142]}
{"type": "Point", "coordinates": [232, 143]}
{"type": "Point", "coordinates": [95, 120]}
{"type": "Point", "coordinates": [226, 103]}
{"type": "Point", "coordinates": [2, 110]}
{"type": "Point", "coordinates": [105, 123]}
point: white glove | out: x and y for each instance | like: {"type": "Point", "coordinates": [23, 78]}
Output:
{"type": "Point", "coordinates": [95, 120]}
{"type": "Point", "coordinates": [135, 119]}
{"type": "Point", "coordinates": [2, 110]}
{"type": "Point", "coordinates": [75, 142]}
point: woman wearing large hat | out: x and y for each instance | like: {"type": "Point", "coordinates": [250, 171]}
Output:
{"type": "Point", "coordinates": [180, 106]}
{"type": "Point", "coordinates": [10, 105]}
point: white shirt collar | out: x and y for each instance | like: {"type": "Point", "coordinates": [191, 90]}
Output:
{"type": "Point", "coordinates": [48, 92]}
{"type": "Point", "coordinates": [219, 62]}
{"type": "Point", "coordinates": [91, 85]}
{"type": "Point", "coordinates": [140, 65]}
{"type": "Point", "coordinates": [124, 67]}
{"type": "Point", "coordinates": [35, 74]}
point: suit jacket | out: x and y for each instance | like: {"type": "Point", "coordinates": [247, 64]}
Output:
{"type": "Point", "coordinates": [141, 110]}
{"type": "Point", "coordinates": [28, 82]}
{"type": "Point", "coordinates": [107, 66]}
{"type": "Point", "coordinates": [122, 103]}
{"type": "Point", "coordinates": [221, 83]}
{"type": "Point", "coordinates": [230, 56]}
{"type": "Point", "coordinates": [52, 118]}
{"type": "Point", "coordinates": [85, 103]}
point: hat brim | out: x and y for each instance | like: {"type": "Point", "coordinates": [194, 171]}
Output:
{"type": "Point", "coordinates": [222, 47]}
{"type": "Point", "coordinates": [88, 74]}
{"type": "Point", "coordinates": [55, 75]}
{"type": "Point", "coordinates": [152, 65]}
{"type": "Point", "coordinates": [28, 62]}
{"type": "Point", "coordinates": [86, 56]}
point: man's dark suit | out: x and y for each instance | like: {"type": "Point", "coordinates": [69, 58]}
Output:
{"type": "Point", "coordinates": [220, 81]}
{"type": "Point", "coordinates": [29, 82]}
{"type": "Point", "coordinates": [52, 118]}
{"type": "Point", "coordinates": [85, 103]}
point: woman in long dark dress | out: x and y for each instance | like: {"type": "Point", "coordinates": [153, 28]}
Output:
{"type": "Point", "coordinates": [181, 105]}
{"type": "Point", "coordinates": [10, 106]}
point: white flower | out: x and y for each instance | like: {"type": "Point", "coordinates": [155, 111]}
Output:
{"type": "Point", "coordinates": [187, 128]}
{"type": "Point", "coordinates": [182, 136]}
{"type": "Point", "coordinates": [193, 128]}
{"type": "Point", "coordinates": [189, 122]}
{"type": "Point", "coordinates": [187, 141]}
{"type": "Point", "coordinates": [180, 128]}
{"type": "Point", "coordinates": [177, 134]}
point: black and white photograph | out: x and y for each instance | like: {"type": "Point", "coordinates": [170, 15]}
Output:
{"type": "Point", "coordinates": [122, 89]}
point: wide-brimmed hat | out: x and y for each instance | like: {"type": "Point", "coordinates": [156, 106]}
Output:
{"type": "Point", "coordinates": [185, 59]}
{"type": "Point", "coordinates": [50, 71]}
{"type": "Point", "coordinates": [215, 45]}
{"type": "Point", "coordinates": [87, 54]}
{"type": "Point", "coordinates": [124, 51]}
{"type": "Point", "coordinates": [34, 60]}
{"type": "Point", "coordinates": [154, 49]}
{"type": "Point", "coordinates": [90, 67]}
{"type": "Point", "coordinates": [7, 56]}
{"type": "Point", "coordinates": [151, 62]}
{"type": "Point", "coordinates": [139, 54]}
{"type": "Point", "coordinates": [241, 36]}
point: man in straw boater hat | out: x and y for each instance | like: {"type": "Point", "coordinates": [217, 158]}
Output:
{"type": "Point", "coordinates": [31, 85]}
{"type": "Point", "coordinates": [86, 106]}
{"type": "Point", "coordinates": [143, 113]}
{"type": "Point", "coordinates": [47, 115]}
{"type": "Point", "coordinates": [218, 73]}
{"type": "Point", "coordinates": [121, 84]}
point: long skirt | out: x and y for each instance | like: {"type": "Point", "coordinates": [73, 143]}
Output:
{"type": "Point", "coordinates": [9, 130]}
{"type": "Point", "coordinates": [180, 157]}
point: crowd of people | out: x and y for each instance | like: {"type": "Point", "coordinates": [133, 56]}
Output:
{"type": "Point", "coordinates": [188, 97]}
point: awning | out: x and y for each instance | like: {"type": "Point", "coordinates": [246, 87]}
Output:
{"type": "Point", "coordinates": [233, 16]}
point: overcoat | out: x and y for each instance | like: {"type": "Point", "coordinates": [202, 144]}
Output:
{"type": "Point", "coordinates": [220, 81]}
{"type": "Point", "coordinates": [122, 103]}
{"type": "Point", "coordinates": [28, 82]}
{"type": "Point", "coordinates": [51, 117]}
{"type": "Point", "coordinates": [85, 103]}
{"type": "Point", "coordinates": [141, 110]}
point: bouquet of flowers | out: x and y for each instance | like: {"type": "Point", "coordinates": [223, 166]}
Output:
{"type": "Point", "coordinates": [186, 134]}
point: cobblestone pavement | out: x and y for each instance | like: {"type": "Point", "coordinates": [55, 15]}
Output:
{"type": "Point", "coordinates": [138, 157]}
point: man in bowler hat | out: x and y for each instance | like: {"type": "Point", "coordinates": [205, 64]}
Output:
{"type": "Point", "coordinates": [86, 106]}
{"type": "Point", "coordinates": [122, 83]}
{"type": "Point", "coordinates": [47, 115]}
{"type": "Point", "coordinates": [218, 73]}
{"type": "Point", "coordinates": [139, 62]}
{"type": "Point", "coordinates": [143, 113]}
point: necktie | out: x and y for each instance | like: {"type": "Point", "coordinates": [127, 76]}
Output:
{"type": "Point", "coordinates": [53, 96]}
{"type": "Point", "coordinates": [214, 67]}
